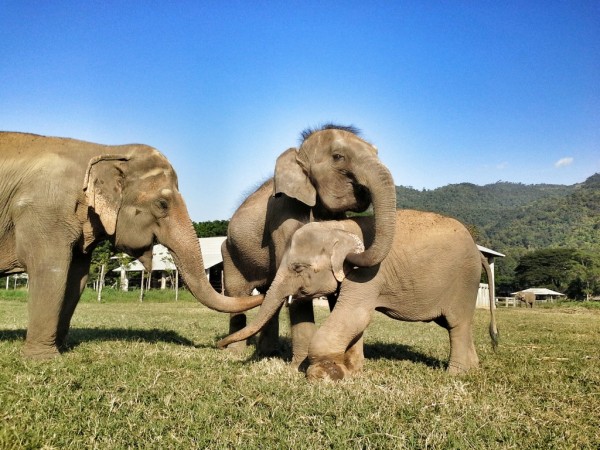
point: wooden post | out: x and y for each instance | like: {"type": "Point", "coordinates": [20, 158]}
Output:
{"type": "Point", "coordinates": [142, 287]}
{"type": "Point", "coordinates": [124, 280]}
{"type": "Point", "coordinates": [101, 282]}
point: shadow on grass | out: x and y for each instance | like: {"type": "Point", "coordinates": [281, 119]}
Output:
{"type": "Point", "coordinates": [401, 352]}
{"type": "Point", "coordinates": [79, 335]}
{"type": "Point", "coordinates": [12, 335]}
{"type": "Point", "coordinates": [373, 351]}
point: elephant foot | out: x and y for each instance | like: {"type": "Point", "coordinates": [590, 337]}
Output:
{"type": "Point", "coordinates": [268, 346]}
{"type": "Point", "coordinates": [236, 347]}
{"type": "Point", "coordinates": [326, 370]}
{"type": "Point", "coordinates": [299, 364]}
{"type": "Point", "coordinates": [39, 351]}
{"type": "Point", "coordinates": [458, 368]}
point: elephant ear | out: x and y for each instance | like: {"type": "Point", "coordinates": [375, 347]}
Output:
{"type": "Point", "coordinates": [103, 187]}
{"type": "Point", "coordinates": [291, 179]}
{"type": "Point", "coordinates": [343, 244]}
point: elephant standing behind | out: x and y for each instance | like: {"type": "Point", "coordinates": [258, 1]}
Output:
{"type": "Point", "coordinates": [59, 197]}
{"type": "Point", "coordinates": [334, 171]}
{"type": "Point", "coordinates": [527, 297]}
{"type": "Point", "coordinates": [432, 273]}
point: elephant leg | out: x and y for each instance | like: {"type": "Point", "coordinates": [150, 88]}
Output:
{"type": "Point", "coordinates": [463, 355]}
{"type": "Point", "coordinates": [341, 331]}
{"type": "Point", "coordinates": [48, 269]}
{"type": "Point", "coordinates": [76, 282]}
{"type": "Point", "coordinates": [236, 284]}
{"type": "Point", "coordinates": [268, 339]}
{"type": "Point", "coordinates": [237, 321]}
{"type": "Point", "coordinates": [302, 321]}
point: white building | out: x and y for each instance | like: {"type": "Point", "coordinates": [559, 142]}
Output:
{"type": "Point", "coordinates": [162, 263]}
{"type": "Point", "coordinates": [483, 299]}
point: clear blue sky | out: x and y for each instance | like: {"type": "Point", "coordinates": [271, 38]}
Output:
{"type": "Point", "coordinates": [450, 92]}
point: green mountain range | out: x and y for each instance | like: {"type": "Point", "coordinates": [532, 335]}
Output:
{"type": "Point", "coordinates": [515, 218]}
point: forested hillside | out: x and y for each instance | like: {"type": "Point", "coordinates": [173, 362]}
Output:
{"type": "Point", "coordinates": [515, 219]}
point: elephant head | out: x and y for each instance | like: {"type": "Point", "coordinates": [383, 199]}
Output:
{"type": "Point", "coordinates": [313, 266]}
{"type": "Point", "coordinates": [336, 171]}
{"type": "Point", "coordinates": [136, 199]}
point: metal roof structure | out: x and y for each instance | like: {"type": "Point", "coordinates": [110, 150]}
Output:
{"type": "Point", "coordinates": [541, 291]}
{"type": "Point", "coordinates": [162, 260]}
{"type": "Point", "coordinates": [489, 251]}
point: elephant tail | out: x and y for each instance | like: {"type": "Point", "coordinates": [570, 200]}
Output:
{"type": "Point", "coordinates": [494, 333]}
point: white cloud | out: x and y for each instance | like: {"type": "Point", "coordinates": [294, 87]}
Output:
{"type": "Point", "coordinates": [502, 166]}
{"type": "Point", "coordinates": [563, 162]}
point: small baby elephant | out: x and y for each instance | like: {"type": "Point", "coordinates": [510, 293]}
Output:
{"type": "Point", "coordinates": [432, 273]}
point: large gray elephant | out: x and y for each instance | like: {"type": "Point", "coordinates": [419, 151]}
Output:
{"type": "Point", "coordinates": [333, 171]}
{"type": "Point", "coordinates": [527, 297]}
{"type": "Point", "coordinates": [432, 273]}
{"type": "Point", "coordinates": [59, 197]}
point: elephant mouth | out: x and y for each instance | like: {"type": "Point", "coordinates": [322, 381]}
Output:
{"type": "Point", "coordinates": [362, 196]}
{"type": "Point", "coordinates": [358, 201]}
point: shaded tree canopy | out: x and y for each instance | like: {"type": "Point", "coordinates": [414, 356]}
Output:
{"type": "Point", "coordinates": [570, 271]}
{"type": "Point", "coordinates": [211, 228]}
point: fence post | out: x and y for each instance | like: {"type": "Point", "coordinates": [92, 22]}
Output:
{"type": "Point", "coordinates": [142, 287]}
{"type": "Point", "coordinates": [101, 282]}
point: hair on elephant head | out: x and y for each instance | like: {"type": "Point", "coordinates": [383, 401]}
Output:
{"type": "Point", "coordinates": [127, 194]}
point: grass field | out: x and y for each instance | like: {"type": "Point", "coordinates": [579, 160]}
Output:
{"type": "Point", "coordinates": [148, 375]}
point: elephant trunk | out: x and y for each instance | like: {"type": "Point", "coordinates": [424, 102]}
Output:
{"type": "Point", "coordinates": [280, 289]}
{"type": "Point", "coordinates": [178, 235]}
{"type": "Point", "coordinates": [378, 179]}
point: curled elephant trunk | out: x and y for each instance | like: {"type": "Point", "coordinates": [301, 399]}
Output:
{"type": "Point", "coordinates": [280, 289]}
{"type": "Point", "coordinates": [378, 179]}
{"type": "Point", "coordinates": [178, 235]}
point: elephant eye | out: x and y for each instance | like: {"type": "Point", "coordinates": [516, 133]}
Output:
{"type": "Point", "coordinates": [338, 158]}
{"type": "Point", "coordinates": [161, 206]}
{"type": "Point", "coordinates": [297, 267]}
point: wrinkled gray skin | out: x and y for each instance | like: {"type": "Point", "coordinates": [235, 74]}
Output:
{"type": "Point", "coordinates": [59, 197]}
{"type": "Point", "coordinates": [432, 273]}
{"type": "Point", "coordinates": [333, 171]}
{"type": "Point", "coordinates": [527, 297]}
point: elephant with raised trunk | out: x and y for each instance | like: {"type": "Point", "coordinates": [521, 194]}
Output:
{"type": "Point", "coordinates": [432, 273]}
{"type": "Point", "coordinates": [332, 172]}
{"type": "Point", "coordinates": [59, 197]}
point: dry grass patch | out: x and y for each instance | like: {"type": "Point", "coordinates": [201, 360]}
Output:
{"type": "Point", "coordinates": [148, 375]}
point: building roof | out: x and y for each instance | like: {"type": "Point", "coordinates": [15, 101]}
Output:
{"type": "Point", "coordinates": [162, 260]}
{"type": "Point", "coordinates": [488, 251]}
{"type": "Point", "coordinates": [541, 291]}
